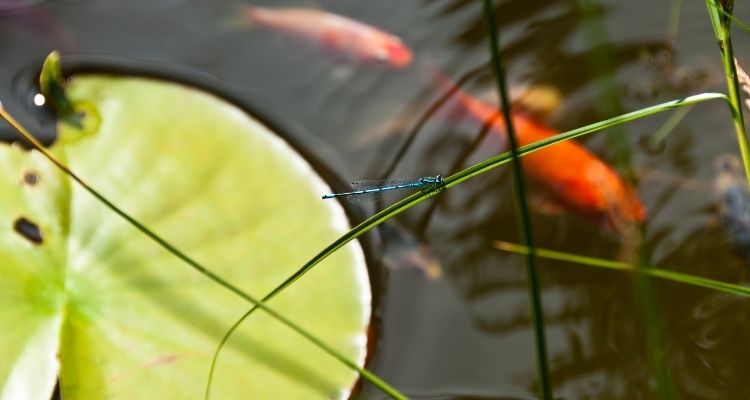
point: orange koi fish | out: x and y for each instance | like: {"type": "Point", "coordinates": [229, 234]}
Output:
{"type": "Point", "coordinates": [570, 175]}
{"type": "Point", "coordinates": [350, 39]}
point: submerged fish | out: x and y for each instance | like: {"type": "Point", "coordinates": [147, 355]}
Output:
{"type": "Point", "coordinates": [343, 37]}
{"type": "Point", "coordinates": [400, 249]}
{"type": "Point", "coordinates": [733, 200]}
{"type": "Point", "coordinates": [570, 176]}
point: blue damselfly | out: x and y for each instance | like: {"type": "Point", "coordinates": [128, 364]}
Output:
{"type": "Point", "coordinates": [377, 187]}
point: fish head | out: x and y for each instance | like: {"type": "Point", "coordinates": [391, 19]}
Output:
{"type": "Point", "coordinates": [392, 52]}
{"type": "Point", "coordinates": [623, 210]}
{"type": "Point", "coordinates": [615, 202]}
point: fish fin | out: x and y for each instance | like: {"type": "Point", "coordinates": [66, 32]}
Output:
{"type": "Point", "coordinates": [432, 270]}
{"type": "Point", "coordinates": [540, 101]}
{"type": "Point", "coordinates": [546, 205]}
{"type": "Point", "coordinates": [479, 111]}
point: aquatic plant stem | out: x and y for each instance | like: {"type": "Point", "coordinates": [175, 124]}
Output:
{"type": "Point", "coordinates": [721, 22]}
{"type": "Point", "coordinates": [457, 178]}
{"type": "Point", "coordinates": [600, 67]}
{"type": "Point", "coordinates": [600, 64]}
{"type": "Point", "coordinates": [194, 264]}
{"type": "Point", "coordinates": [734, 19]}
{"type": "Point", "coordinates": [525, 228]}
{"type": "Point", "coordinates": [649, 308]}
{"type": "Point", "coordinates": [673, 25]}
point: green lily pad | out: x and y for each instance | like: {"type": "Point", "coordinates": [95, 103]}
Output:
{"type": "Point", "coordinates": [85, 295]}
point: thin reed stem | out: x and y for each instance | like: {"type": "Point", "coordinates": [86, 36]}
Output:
{"type": "Point", "coordinates": [734, 19]}
{"type": "Point", "coordinates": [721, 22]}
{"type": "Point", "coordinates": [519, 186]}
{"type": "Point", "coordinates": [673, 25]}
{"type": "Point", "coordinates": [600, 61]}
{"type": "Point", "coordinates": [649, 308]}
{"type": "Point", "coordinates": [602, 71]}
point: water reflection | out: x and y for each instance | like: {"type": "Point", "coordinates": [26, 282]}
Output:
{"type": "Point", "coordinates": [606, 354]}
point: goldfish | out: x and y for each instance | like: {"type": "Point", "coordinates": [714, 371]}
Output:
{"type": "Point", "coordinates": [341, 36]}
{"type": "Point", "coordinates": [733, 200]}
{"type": "Point", "coordinates": [569, 176]}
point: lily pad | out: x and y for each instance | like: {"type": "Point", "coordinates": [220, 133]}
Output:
{"type": "Point", "coordinates": [85, 296]}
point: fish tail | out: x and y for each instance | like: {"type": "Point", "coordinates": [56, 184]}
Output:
{"type": "Point", "coordinates": [253, 14]}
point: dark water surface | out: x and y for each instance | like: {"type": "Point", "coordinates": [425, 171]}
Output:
{"type": "Point", "coordinates": [468, 334]}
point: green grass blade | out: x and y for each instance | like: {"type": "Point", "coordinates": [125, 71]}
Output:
{"type": "Point", "coordinates": [734, 19]}
{"type": "Point", "coordinates": [673, 25]}
{"type": "Point", "coordinates": [519, 186]}
{"type": "Point", "coordinates": [622, 266]}
{"type": "Point", "coordinates": [501, 159]}
{"type": "Point", "coordinates": [677, 116]}
{"type": "Point", "coordinates": [721, 23]}
{"type": "Point", "coordinates": [483, 167]}
{"type": "Point", "coordinates": [462, 176]}
{"type": "Point", "coordinates": [194, 264]}
{"type": "Point", "coordinates": [673, 276]}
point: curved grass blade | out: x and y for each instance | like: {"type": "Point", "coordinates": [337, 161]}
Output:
{"type": "Point", "coordinates": [195, 264]}
{"type": "Point", "coordinates": [673, 276]}
{"type": "Point", "coordinates": [453, 180]}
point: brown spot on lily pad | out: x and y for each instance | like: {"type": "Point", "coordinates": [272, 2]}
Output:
{"type": "Point", "coordinates": [28, 230]}
{"type": "Point", "coordinates": [30, 178]}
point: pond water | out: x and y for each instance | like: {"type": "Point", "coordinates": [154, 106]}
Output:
{"type": "Point", "coordinates": [468, 334]}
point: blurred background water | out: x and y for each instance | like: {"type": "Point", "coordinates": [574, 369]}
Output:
{"type": "Point", "coordinates": [468, 334]}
